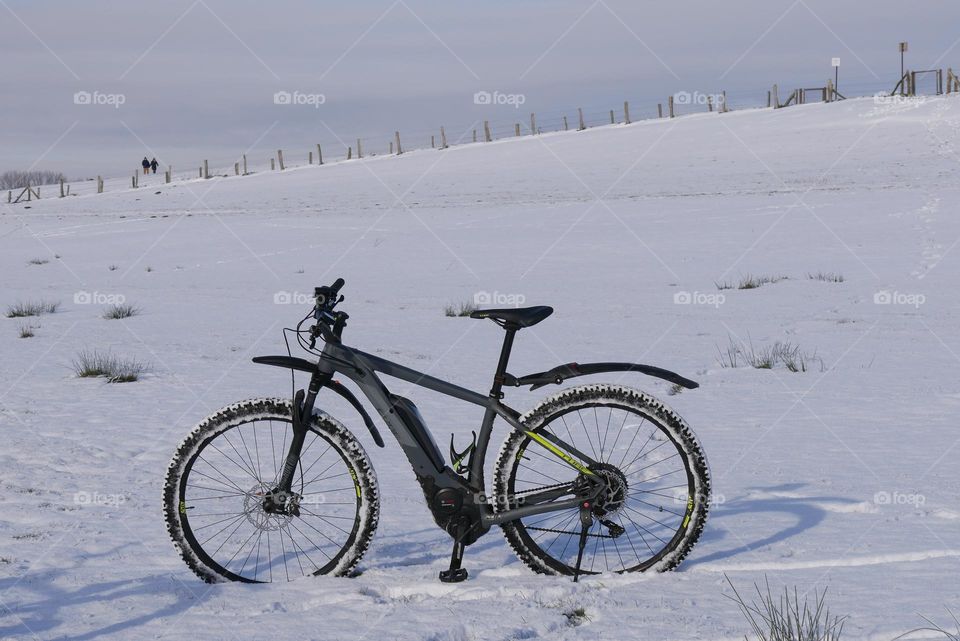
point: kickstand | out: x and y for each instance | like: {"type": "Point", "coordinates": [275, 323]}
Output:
{"type": "Point", "coordinates": [586, 521]}
{"type": "Point", "coordinates": [456, 574]}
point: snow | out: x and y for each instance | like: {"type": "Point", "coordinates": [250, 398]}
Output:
{"type": "Point", "coordinates": [843, 478]}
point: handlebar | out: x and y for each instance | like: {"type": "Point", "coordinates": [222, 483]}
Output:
{"type": "Point", "coordinates": [330, 324]}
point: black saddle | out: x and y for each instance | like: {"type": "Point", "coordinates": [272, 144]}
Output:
{"type": "Point", "coordinates": [517, 317]}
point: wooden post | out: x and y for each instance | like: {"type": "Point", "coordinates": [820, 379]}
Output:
{"type": "Point", "coordinates": [582, 125]}
{"type": "Point", "coordinates": [280, 159]}
{"type": "Point", "coordinates": [273, 164]}
{"type": "Point", "coordinates": [99, 185]}
{"type": "Point", "coordinates": [206, 169]}
{"type": "Point", "coordinates": [443, 138]}
{"type": "Point", "coordinates": [516, 129]}
{"type": "Point", "coordinates": [612, 120]}
{"type": "Point", "coordinates": [949, 80]}
{"type": "Point", "coordinates": [486, 131]}
{"type": "Point", "coordinates": [626, 112]}
{"type": "Point", "coordinates": [768, 100]}
{"type": "Point", "coordinates": [236, 169]}
{"type": "Point", "coordinates": [68, 190]}
{"type": "Point", "coordinates": [349, 153]}
{"type": "Point", "coordinates": [319, 155]}
{"type": "Point", "coordinates": [709, 103]}
{"type": "Point", "coordinates": [724, 108]}
{"type": "Point", "coordinates": [565, 127]}
{"type": "Point", "coordinates": [133, 183]}
{"type": "Point", "coordinates": [309, 157]}
{"type": "Point", "coordinates": [533, 124]}
{"type": "Point", "coordinates": [359, 149]}
{"type": "Point", "coordinates": [391, 147]}
{"type": "Point", "coordinates": [939, 81]}
{"type": "Point", "coordinates": [399, 148]}
{"type": "Point", "coordinates": [244, 164]}
{"type": "Point", "coordinates": [913, 83]}
{"type": "Point", "coordinates": [433, 144]}
{"type": "Point", "coordinates": [9, 196]}
{"type": "Point", "coordinates": [30, 191]}
{"type": "Point", "coordinates": [670, 105]}
{"type": "Point", "coordinates": [61, 188]}
{"type": "Point", "coordinates": [659, 110]}
{"type": "Point", "coordinates": [167, 177]}
{"type": "Point", "coordinates": [474, 135]}
{"type": "Point", "coordinates": [776, 97]}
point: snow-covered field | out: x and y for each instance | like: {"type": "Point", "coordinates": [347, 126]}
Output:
{"type": "Point", "coordinates": [842, 477]}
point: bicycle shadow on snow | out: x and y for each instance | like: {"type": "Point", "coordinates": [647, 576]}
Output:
{"type": "Point", "coordinates": [807, 510]}
{"type": "Point", "coordinates": [54, 607]}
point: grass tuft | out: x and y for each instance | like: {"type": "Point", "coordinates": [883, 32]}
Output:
{"type": "Point", "coordinates": [787, 618]}
{"type": "Point", "coordinates": [37, 261]}
{"type": "Point", "coordinates": [827, 277]}
{"type": "Point", "coordinates": [25, 331]}
{"type": "Point", "coordinates": [113, 268]}
{"type": "Point", "coordinates": [93, 363]}
{"type": "Point", "coordinates": [936, 627]}
{"type": "Point", "coordinates": [32, 308]}
{"type": "Point", "coordinates": [787, 354]}
{"type": "Point", "coordinates": [461, 309]}
{"type": "Point", "coordinates": [117, 312]}
{"type": "Point", "coordinates": [576, 616]}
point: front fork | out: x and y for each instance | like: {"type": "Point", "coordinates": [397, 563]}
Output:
{"type": "Point", "coordinates": [282, 499]}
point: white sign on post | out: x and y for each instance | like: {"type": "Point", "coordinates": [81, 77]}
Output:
{"type": "Point", "coordinates": [836, 62]}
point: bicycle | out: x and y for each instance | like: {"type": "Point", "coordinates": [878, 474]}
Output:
{"type": "Point", "coordinates": [637, 496]}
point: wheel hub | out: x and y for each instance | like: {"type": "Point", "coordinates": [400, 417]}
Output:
{"type": "Point", "coordinates": [615, 494]}
{"type": "Point", "coordinates": [269, 509]}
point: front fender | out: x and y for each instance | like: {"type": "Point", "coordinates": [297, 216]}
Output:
{"type": "Point", "coordinates": [561, 373]}
{"type": "Point", "coordinates": [303, 365]}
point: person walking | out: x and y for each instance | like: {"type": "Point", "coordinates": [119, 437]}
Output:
{"type": "Point", "coordinates": [146, 165]}
{"type": "Point", "coordinates": [154, 164]}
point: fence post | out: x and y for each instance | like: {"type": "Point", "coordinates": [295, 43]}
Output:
{"type": "Point", "coordinates": [612, 120]}
{"type": "Point", "coordinates": [776, 97]}
{"type": "Point", "coordinates": [99, 185]}
{"type": "Point", "coordinates": [582, 125]}
{"type": "Point", "coordinates": [565, 127]}
{"type": "Point", "coordinates": [939, 81]}
{"type": "Point", "coordinates": [359, 149]}
{"type": "Point", "coordinates": [9, 196]}
{"type": "Point", "coordinates": [724, 108]}
{"type": "Point", "coordinates": [433, 144]}
{"type": "Point", "coordinates": [244, 164]}
{"type": "Point", "coordinates": [319, 155]}
{"type": "Point", "coordinates": [709, 103]}
{"type": "Point", "coordinates": [206, 169]}
{"type": "Point", "coordinates": [443, 138]}
{"type": "Point", "coordinates": [391, 147]}
{"type": "Point", "coordinates": [167, 176]}
{"type": "Point", "coordinates": [913, 83]}
{"type": "Point", "coordinates": [133, 184]}
{"type": "Point", "coordinates": [626, 112]}
{"type": "Point", "coordinates": [273, 164]}
{"type": "Point", "coordinates": [396, 135]}
{"type": "Point", "coordinates": [486, 131]}
{"type": "Point", "coordinates": [236, 169]}
{"type": "Point", "coordinates": [659, 110]}
{"type": "Point", "coordinates": [280, 159]}
{"type": "Point", "coordinates": [516, 130]}
{"type": "Point", "coordinates": [670, 105]}
{"type": "Point", "coordinates": [349, 153]}
{"type": "Point", "coordinates": [474, 135]}
{"type": "Point", "coordinates": [61, 188]}
{"type": "Point", "coordinates": [309, 157]}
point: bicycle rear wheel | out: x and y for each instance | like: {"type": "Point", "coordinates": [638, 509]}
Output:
{"type": "Point", "coordinates": [218, 479]}
{"type": "Point", "coordinates": [655, 505]}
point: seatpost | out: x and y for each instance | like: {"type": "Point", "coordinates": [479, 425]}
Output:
{"type": "Point", "coordinates": [504, 358]}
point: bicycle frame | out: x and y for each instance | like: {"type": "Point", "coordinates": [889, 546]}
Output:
{"type": "Point", "coordinates": [411, 433]}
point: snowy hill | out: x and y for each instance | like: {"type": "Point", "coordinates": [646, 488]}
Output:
{"type": "Point", "coordinates": [842, 476]}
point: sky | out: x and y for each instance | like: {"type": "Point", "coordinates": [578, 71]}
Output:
{"type": "Point", "coordinates": [90, 88]}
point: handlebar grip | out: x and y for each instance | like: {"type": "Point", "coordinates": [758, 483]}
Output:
{"type": "Point", "coordinates": [337, 284]}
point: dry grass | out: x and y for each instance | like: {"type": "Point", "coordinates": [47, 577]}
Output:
{"type": "Point", "coordinates": [787, 618]}
{"type": "Point", "coordinates": [32, 308]}
{"type": "Point", "coordinates": [93, 363]}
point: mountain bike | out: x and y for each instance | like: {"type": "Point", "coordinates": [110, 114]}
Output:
{"type": "Point", "coordinates": [593, 479]}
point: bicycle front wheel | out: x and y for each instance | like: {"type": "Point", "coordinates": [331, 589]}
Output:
{"type": "Point", "coordinates": [218, 480]}
{"type": "Point", "coordinates": [658, 483]}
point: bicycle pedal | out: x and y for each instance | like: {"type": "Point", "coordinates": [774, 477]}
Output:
{"type": "Point", "coordinates": [453, 576]}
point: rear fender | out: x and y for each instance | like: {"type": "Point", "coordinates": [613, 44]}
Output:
{"type": "Point", "coordinates": [561, 373]}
